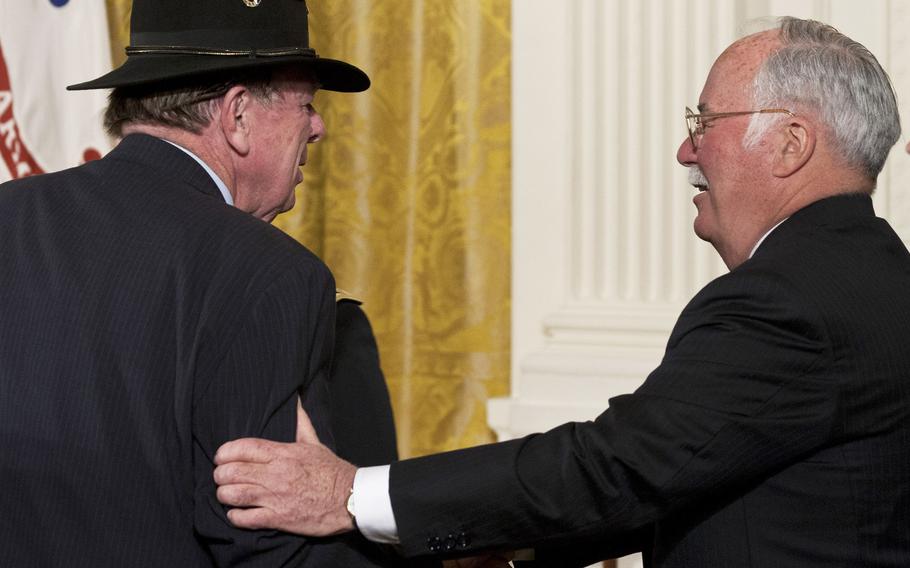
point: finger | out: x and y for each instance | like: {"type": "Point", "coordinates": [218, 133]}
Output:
{"type": "Point", "coordinates": [240, 472]}
{"type": "Point", "coordinates": [305, 431]}
{"type": "Point", "coordinates": [247, 450]}
{"type": "Point", "coordinates": [243, 495]}
{"type": "Point", "coordinates": [258, 518]}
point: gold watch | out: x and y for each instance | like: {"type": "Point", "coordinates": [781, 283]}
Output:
{"type": "Point", "coordinates": [350, 507]}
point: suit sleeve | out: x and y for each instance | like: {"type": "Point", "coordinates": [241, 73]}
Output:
{"type": "Point", "coordinates": [741, 392]}
{"type": "Point", "coordinates": [280, 347]}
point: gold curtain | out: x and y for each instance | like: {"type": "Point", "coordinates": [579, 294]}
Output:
{"type": "Point", "coordinates": [118, 22]}
{"type": "Point", "coordinates": [408, 200]}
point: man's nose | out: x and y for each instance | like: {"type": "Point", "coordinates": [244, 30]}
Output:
{"type": "Point", "coordinates": [686, 154]}
{"type": "Point", "coordinates": [317, 128]}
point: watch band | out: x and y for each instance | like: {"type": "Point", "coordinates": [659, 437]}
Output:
{"type": "Point", "coordinates": [350, 507]}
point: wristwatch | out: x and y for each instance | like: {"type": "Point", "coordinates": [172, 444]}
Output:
{"type": "Point", "coordinates": [350, 507]}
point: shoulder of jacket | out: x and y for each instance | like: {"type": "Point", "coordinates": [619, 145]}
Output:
{"type": "Point", "coordinates": [341, 296]}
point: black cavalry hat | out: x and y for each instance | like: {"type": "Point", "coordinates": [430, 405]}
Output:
{"type": "Point", "coordinates": [175, 39]}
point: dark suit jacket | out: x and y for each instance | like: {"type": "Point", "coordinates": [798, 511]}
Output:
{"type": "Point", "coordinates": [361, 410]}
{"type": "Point", "coordinates": [775, 432]}
{"type": "Point", "coordinates": [143, 322]}
{"type": "Point", "coordinates": [362, 420]}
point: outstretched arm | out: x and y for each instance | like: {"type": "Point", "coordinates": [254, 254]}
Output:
{"type": "Point", "coordinates": [300, 488]}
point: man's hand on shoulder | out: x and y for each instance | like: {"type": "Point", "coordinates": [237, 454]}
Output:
{"type": "Point", "coordinates": [299, 488]}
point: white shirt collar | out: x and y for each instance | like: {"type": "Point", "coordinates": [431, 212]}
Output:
{"type": "Point", "coordinates": [228, 198]}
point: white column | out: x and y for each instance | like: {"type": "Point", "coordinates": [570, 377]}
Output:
{"type": "Point", "coordinates": [604, 254]}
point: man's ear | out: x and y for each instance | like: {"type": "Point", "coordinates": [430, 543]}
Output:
{"type": "Point", "coordinates": [233, 116]}
{"type": "Point", "coordinates": [795, 147]}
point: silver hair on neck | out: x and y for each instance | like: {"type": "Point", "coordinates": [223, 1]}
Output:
{"type": "Point", "coordinates": [821, 71]}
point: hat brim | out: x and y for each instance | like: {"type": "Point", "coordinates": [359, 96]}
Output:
{"type": "Point", "coordinates": [333, 75]}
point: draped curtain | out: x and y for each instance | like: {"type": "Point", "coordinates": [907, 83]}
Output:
{"type": "Point", "coordinates": [408, 199]}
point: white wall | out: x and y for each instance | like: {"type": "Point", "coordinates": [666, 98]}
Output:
{"type": "Point", "coordinates": [604, 257]}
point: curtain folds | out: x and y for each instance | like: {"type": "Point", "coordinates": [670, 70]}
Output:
{"type": "Point", "coordinates": [407, 200]}
{"type": "Point", "coordinates": [118, 22]}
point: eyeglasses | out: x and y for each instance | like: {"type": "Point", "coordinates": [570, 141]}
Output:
{"type": "Point", "coordinates": [696, 122]}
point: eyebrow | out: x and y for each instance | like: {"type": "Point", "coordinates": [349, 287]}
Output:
{"type": "Point", "coordinates": [702, 107]}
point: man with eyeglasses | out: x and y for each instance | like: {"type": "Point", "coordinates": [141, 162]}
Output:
{"type": "Point", "coordinates": [776, 430]}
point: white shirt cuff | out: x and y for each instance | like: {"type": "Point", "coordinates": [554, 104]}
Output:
{"type": "Point", "coordinates": [373, 506]}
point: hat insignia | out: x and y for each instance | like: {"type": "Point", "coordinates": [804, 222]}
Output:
{"type": "Point", "coordinates": [251, 3]}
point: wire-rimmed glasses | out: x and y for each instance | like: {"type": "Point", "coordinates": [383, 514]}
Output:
{"type": "Point", "coordinates": [696, 122]}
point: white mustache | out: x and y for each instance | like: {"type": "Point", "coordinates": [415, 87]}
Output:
{"type": "Point", "coordinates": [696, 177]}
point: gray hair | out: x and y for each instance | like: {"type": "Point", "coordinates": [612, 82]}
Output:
{"type": "Point", "coordinates": [821, 70]}
{"type": "Point", "coordinates": [189, 106]}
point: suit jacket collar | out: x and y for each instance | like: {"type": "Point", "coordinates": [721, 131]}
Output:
{"type": "Point", "coordinates": [831, 211]}
{"type": "Point", "coordinates": [836, 209]}
{"type": "Point", "coordinates": [167, 160]}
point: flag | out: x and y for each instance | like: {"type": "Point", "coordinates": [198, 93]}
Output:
{"type": "Point", "coordinates": [46, 45]}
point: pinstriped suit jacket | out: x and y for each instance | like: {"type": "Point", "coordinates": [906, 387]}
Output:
{"type": "Point", "coordinates": [775, 432]}
{"type": "Point", "coordinates": [143, 323]}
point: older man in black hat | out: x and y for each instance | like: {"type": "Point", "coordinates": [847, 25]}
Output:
{"type": "Point", "coordinates": [149, 313]}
